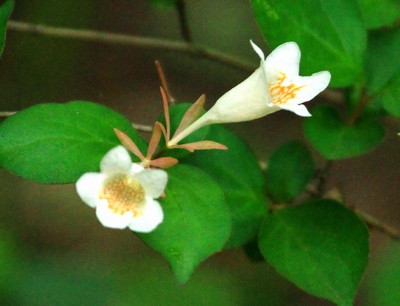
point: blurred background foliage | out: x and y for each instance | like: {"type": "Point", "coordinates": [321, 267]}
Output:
{"type": "Point", "coordinates": [53, 251]}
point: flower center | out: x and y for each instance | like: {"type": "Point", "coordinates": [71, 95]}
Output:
{"type": "Point", "coordinates": [124, 194]}
{"type": "Point", "coordinates": [280, 92]}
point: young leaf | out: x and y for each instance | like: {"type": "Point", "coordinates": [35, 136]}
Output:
{"type": "Point", "coordinates": [379, 13]}
{"type": "Point", "coordinates": [331, 34]}
{"type": "Point", "coordinates": [320, 246]}
{"type": "Point", "coordinates": [239, 175]}
{"type": "Point", "coordinates": [197, 220]}
{"type": "Point", "coordinates": [57, 143]}
{"type": "Point", "coordinates": [289, 170]}
{"type": "Point", "coordinates": [5, 12]}
{"type": "Point", "coordinates": [335, 139]}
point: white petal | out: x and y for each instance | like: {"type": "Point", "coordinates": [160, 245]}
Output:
{"type": "Point", "coordinates": [88, 187]}
{"type": "Point", "coordinates": [153, 181]}
{"type": "Point", "coordinates": [246, 101]}
{"type": "Point", "coordinates": [300, 110]}
{"type": "Point", "coordinates": [116, 160]}
{"type": "Point", "coordinates": [136, 168]}
{"type": "Point", "coordinates": [152, 216]}
{"type": "Point", "coordinates": [258, 50]}
{"type": "Point", "coordinates": [108, 218]}
{"type": "Point", "coordinates": [313, 85]}
{"type": "Point", "coordinates": [285, 58]}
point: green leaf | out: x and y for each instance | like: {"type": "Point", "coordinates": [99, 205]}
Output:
{"type": "Point", "coordinates": [390, 96]}
{"type": "Point", "coordinates": [5, 12]}
{"type": "Point", "coordinates": [239, 175]}
{"type": "Point", "coordinates": [289, 170]}
{"type": "Point", "coordinates": [335, 139]}
{"type": "Point", "coordinates": [57, 143]}
{"type": "Point", "coordinates": [383, 70]}
{"type": "Point", "coordinates": [383, 284]}
{"type": "Point", "coordinates": [331, 34]}
{"type": "Point", "coordinates": [320, 246]}
{"type": "Point", "coordinates": [382, 60]}
{"type": "Point", "coordinates": [197, 221]}
{"type": "Point", "coordinates": [379, 13]}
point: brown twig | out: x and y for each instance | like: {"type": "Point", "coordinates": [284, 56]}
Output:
{"type": "Point", "coordinates": [379, 225]}
{"type": "Point", "coordinates": [6, 114]}
{"type": "Point", "coordinates": [362, 103]}
{"type": "Point", "coordinates": [131, 40]}
{"type": "Point", "coordinates": [181, 9]}
{"type": "Point", "coordinates": [146, 42]}
{"type": "Point", "coordinates": [164, 83]}
{"type": "Point", "coordinates": [317, 187]}
{"type": "Point", "coordinates": [142, 127]}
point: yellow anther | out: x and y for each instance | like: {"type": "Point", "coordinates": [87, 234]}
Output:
{"type": "Point", "coordinates": [123, 194]}
{"type": "Point", "coordinates": [280, 93]}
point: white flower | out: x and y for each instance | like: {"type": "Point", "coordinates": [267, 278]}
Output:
{"type": "Point", "coordinates": [275, 85]}
{"type": "Point", "coordinates": [123, 193]}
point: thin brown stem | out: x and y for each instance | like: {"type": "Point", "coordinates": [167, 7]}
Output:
{"type": "Point", "coordinates": [362, 103]}
{"type": "Point", "coordinates": [142, 127]}
{"type": "Point", "coordinates": [164, 83]}
{"type": "Point", "coordinates": [6, 114]}
{"type": "Point", "coordinates": [379, 225]}
{"type": "Point", "coordinates": [131, 40]}
{"type": "Point", "coordinates": [145, 42]}
{"type": "Point", "coordinates": [317, 188]}
{"type": "Point", "coordinates": [181, 9]}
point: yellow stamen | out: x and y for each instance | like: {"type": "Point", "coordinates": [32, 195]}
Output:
{"type": "Point", "coordinates": [280, 94]}
{"type": "Point", "coordinates": [123, 194]}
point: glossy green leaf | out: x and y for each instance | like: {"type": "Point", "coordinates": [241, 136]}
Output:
{"type": "Point", "coordinates": [289, 170]}
{"type": "Point", "coordinates": [5, 12]}
{"type": "Point", "coordinates": [239, 175]}
{"type": "Point", "coordinates": [331, 34]}
{"type": "Point", "coordinates": [320, 246]}
{"type": "Point", "coordinates": [335, 139]}
{"type": "Point", "coordinates": [382, 60]}
{"type": "Point", "coordinates": [383, 283]}
{"type": "Point", "coordinates": [379, 13]}
{"type": "Point", "coordinates": [57, 143]}
{"type": "Point", "coordinates": [197, 220]}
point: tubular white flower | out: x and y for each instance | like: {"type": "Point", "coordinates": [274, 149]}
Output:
{"type": "Point", "coordinates": [275, 85]}
{"type": "Point", "coordinates": [123, 193]}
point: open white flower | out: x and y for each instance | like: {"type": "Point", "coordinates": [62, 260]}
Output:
{"type": "Point", "coordinates": [123, 193]}
{"type": "Point", "coordinates": [275, 85]}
